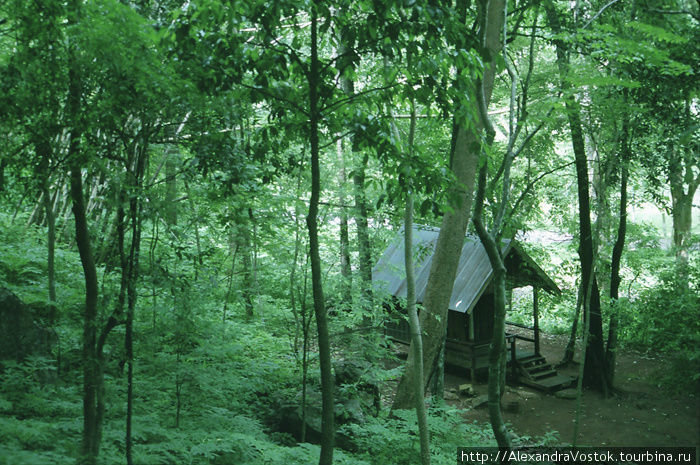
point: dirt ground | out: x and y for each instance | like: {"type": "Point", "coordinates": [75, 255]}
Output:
{"type": "Point", "coordinates": [640, 414]}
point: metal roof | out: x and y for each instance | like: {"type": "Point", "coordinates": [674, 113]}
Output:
{"type": "Point", "coordinates": [474, 271]}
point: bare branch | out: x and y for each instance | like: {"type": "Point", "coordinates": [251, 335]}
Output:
{"type": "Point", "coordinates": [532, 183]}
{"type": "Point", "coordinates": [595, 16]}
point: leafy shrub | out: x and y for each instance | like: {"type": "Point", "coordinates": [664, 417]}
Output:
{"type": "Point", "coordinates": [665, 319]}
{"type": "Point", "coordinates": [387, 440]}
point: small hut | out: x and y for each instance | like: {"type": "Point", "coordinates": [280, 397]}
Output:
{"type": "Point", "coordinates": [470, 316]}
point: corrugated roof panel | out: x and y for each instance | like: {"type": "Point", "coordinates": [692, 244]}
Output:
{"type": "Point", "coordinates": [389, 273]}
{"type": "Point", "coordinates": [473, 273]}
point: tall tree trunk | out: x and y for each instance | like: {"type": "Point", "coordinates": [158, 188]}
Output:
{"type": "Point", "coordinates": [324, 347]}
{"type": "Point", "coordinates": [498, 344]}
{"type": "Point", "coordinates": [345, 266]}
{"type": "Point", "coordinates": [198, 260]}
{"type": "Point", "coordinates": [90, 444]}
{"type": "Point", "coordinates": [135, 210]}
{"type": "Point", "coordinates": [625, 156]}
{"type": "Point", "coordinates": [595, 370]}
{"type": "Point", "coordinates": [45, 155]}
{"type": "Point", "coordinates": [361, 211]}
{"type": "Point", "coordinates": [414, 324]}
{"type": "Point", "coordinates": [492, 245]}
{"type": "Point", "coordinates": [586, 298]}
{"type": "Point", "coordinates": [619, 246]}
{"type": "Point", "coordinates": [246, 249]}
{"type": "Point", "coordinates": [413, 321]}
{"type": "Point", "coordinates": [51, 260]}
{"type": "Point", "coordinates": [684, 171]}
{"type": "Point", "coordinates": [171, 162]}
{"type": "Point", "coordinates": [448, 249]}
{"type": "Point", "coordinates": [683, 184]}
{"type": "Point", "coordinates": [363, 243]}
{"type": "Point", "coordinates": [90, 447]}
{"type": "Point", "coordinates": [571, 345]}
{"type": "Point", "coordinates": [3, 164]}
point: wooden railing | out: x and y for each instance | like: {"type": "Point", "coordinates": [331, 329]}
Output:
{"type": "Point", "coordinates": [535, 339]}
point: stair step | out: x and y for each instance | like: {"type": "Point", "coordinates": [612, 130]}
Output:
{"type": "Point", "coordinates": [539, 368]}
{"type": "Point", "coordinates": [534, 363]}
{"type": "Point", "coordinates": [543, 374]}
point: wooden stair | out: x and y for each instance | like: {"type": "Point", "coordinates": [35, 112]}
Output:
{"type": "Point", "coordinates": [534, 371]}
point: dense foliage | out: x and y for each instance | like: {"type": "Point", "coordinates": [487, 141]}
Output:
{"type": "Point", "coordinates": [193, 194]}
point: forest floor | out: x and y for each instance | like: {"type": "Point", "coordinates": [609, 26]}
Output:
{"type": "Point", "coordinates": [640, 413]}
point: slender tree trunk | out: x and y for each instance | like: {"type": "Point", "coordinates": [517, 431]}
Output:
{"type": "Point", "coordinates": [229, 287]}
{"type": "Point", "coordinates": [198, 261]}
{"type": "Point", "coordinates": [358, 179]}
{"type": "Point", "coordinates": [584, 359]}
{"type": "Point", "coordinates": [363, 243]}
{"type": "Point", "coordinates": [170, 211]}
{"type": "Point", "coordinates": [684, 180]}
{"type": "Point", "coordinates": [610, 350]}
{"type": "Point", "coordinates": [450, 240]}
{"type": "Point", "coordinates": [345, 267]}
{"type": "Point", "coordinates": [35, 217]}
{"type": "Point", "coordinates": [247, 261]}
{"type": "Point", "coordinates": [51, 225]}
{"type": "Point", "coordinates": [135, 211]}
{"type": "Point", "coordinates": [682, 213]}
{"type": "Point", "coordinates": [324, 348]}
{"type": "Point", "coordinates": [414, 323]}
{"type": "Point", "coordinates": [51, 259]}
{"type": "Point", "coordinates": [595, 373]}
{"type": "Point", "coordinates": [155, 271]}
{"type": "Point", "coordinates": [497, 347]}
{"type": "Point", "coordinates": [90, 446]}
{"type": "Point", "coordinates": [571, 345]}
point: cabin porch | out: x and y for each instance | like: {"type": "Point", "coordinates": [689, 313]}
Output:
{"type": "Point", "coordinates": [468, 339]}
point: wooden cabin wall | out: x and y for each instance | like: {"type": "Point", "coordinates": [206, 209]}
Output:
{"type": "Point", "coordinates": [483, 318]}
{"type": "Point", "coordinates": [457, 326]}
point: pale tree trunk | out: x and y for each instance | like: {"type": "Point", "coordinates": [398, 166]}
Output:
{"type": "Point", "coordinates": [363, 244]}
{"type": "Point", "coordinates": [492, 240]}
{"type": "Point", "coordinates": [198, 260]}
{"type": "Point", "coordinates": [246, 248]}
{"type": "Point", "coordinates": [171, 162]}
{"type": "Point", "coordinates": [358, 179]}
{"type": "Point", "coordinates": [684, 179]}
{"type": "Point", "coordinates": [684, 183]}
{"type": "Point", "coordinates": [497, 347]}
{"type": "Point", "coordinates": [43, 174]}
{"type": "Point", "coordinates": [414, 323]}
{"type": "Point", "coordinates": [448, 249]}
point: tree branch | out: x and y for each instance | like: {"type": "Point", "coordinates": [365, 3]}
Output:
{"type": "Point", "coordinates": [595, 16]}
{"type": "Point", "coordinates": [352, 97]}
{"type": "Point", "coordinates": [532, 183]}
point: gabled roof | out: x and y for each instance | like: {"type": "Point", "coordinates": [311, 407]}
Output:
{"type": "Point", "coordinates": [474, 271]}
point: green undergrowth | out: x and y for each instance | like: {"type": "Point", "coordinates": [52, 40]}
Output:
{"type": "Point", "coordinates": [205, 383]}
{"type": "Point", "coordinates": [40, 423]}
